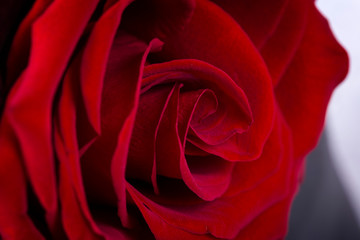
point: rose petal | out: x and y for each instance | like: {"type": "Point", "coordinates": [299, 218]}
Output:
{"type": "Point", "coordinates": [20, 48]}
{"type": "Point", "coordinates": [209, 177]}
{"type": "Point", "coordinates": [33, 93]}
{"type": "Point", "coordinates": [318, 66]}
{"type": "Point", "coordinates": [233, 115]}
{"type": "Point", "coordinates": [14, 221]}
{"type": "Point", "coordinates": [18, 226]}
{"type": "Point", "coordinates": [168, 149]}
{"type": "Point", "coordinates": [248, 175]}
{"type": "Point", "coordinates": [157, 18]}
{"type": "Point", "coordinates": [143, 143]}
{"type": "Point", "coordinates": [207, 181]}
{"type": "Point", "coordinates": [76, 216]}
{"type": "Point", "coordinates": [95, 57]}
{"type": "Point", "coordinates": [274, 220]}
{"type": "Point", "coordinates": [228, 49]}
{"type": "Point", "coordinates": [105, 181]}
{"type": "Point", "coordinates": [258, 18]}
{"type": "Point", "coordinates": [280, 48]}
{"type": "Point", "coordinates": [11, 13]}
{"type": "Point", "coordinates": [202, 119]}
{"type": "Point", "coordinates": [226, 216]}
{"type": "Point", "coordinates": [117, 232]}
{"type": "Point", "coordinates": [76, 224]}
{"type": "Point", "coordinates": [159, 227]}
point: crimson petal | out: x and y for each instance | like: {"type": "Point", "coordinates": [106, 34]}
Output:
{"type": "Point", "coordinates": [247, 68]}
{"type": "Point", "coordinates": [225, 216]}
{"type": "Point", "coordinates": [318, 66]}
{"type": "Point", "coordinates": [232, 110]}
{"type": "Point", "coordinates": [121, 86]}
{"type": "Point", "coordinates": [157, 18]}
{"type": "Point", "coordinates": [76, 216]}
{"type": "Point", "coordinates": [281, 47]}
{"type": "Point", "coordinates": [95, 57]}
{"type": "Point", "coordinates": [43, 77]}
{"type": "Point", "coordinates": [259, 18]}
{"type": "Point", "coordinates": [14, 221]}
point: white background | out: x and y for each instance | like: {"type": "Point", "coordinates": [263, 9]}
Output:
{"type": "Point", "coordinates": [343, 116]}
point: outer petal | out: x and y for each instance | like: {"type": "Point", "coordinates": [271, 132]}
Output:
{"type": "Point", "coordinates": [14, 221]}
{"type": "Point", "coordinates": [11, 14]}
{"type": "Point", "coordinates": [33, 93]}
{"type": "Point", "coordinates": [281, 47]}
{"type": "Point", "coordinates": [20, 48]}
{"type": "Point", "coordinates": [272, 223]}
{"type": "Point", "coordinates": [248, 175]}
{"type": "Point", "coordinates": [274, 220]}
{"type": "Point", "coordinates": [158, 18]}
{"type": "Point", "coordinates": [258, 18]}
{"type": "Point", "coordinates": [94, 60]}
{"type": "Point", "coordinates": [18, 227]}
{"type": "Point", "coordinates": [304, 91]}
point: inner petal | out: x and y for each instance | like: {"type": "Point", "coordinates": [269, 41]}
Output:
{"type": "Point", "coordinates": [222, 114]}
{"type": "Point", "coordinates": [219, 126]}
{"type": "Point", "coordinates": [207, 176]}
{"type": "Point", "coordinates": [194, 107]}
{"type": "Point", "coordinates": [141, 156]}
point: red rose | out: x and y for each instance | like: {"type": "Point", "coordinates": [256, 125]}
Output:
{"type": "Point", "coordinates": [174, 119]}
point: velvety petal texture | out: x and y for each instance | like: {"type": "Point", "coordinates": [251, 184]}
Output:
{"type": "Point", "coordinates": [155, 119]}
{"type": "Point", "coordinates": [323, 64]}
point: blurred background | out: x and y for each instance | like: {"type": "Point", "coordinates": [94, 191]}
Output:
{"type": "Point", "coordinates": [328, 204]}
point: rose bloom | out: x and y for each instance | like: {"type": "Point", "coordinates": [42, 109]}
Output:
{"type": "Point", "coordinates": [182, 119]}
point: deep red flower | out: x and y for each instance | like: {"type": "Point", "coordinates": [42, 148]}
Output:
{"type": "Point", "coordinates": [183, 119]}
